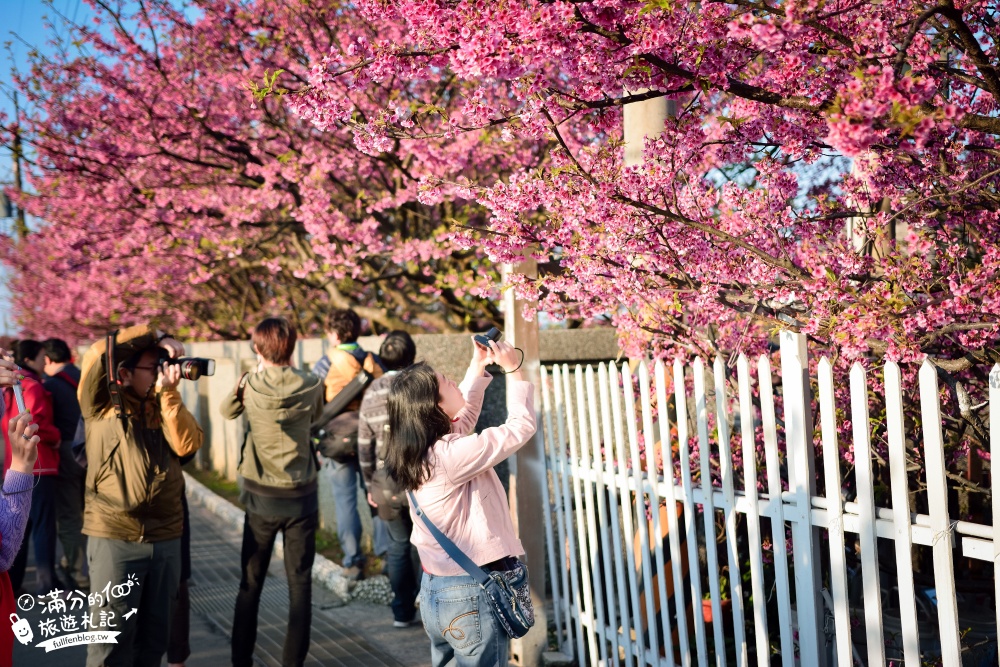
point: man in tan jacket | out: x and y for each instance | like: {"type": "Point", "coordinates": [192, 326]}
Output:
{"type": "Point", "coordinates": [132, 511]}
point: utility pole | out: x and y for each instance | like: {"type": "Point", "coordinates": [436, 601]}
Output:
{"type": "Point", "coordinates": [21, 224]}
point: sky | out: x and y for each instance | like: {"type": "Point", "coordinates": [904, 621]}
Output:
{"type": "Point", "coordinates": [23, 28]}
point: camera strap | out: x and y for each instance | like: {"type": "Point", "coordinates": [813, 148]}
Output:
{"type": "Point", "coordinates": [114, 384]}
{"type": "Point", "coordinates": [241, 386]}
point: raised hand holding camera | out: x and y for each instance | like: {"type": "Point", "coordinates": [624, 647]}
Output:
{"type": "Point", "coordinates": [505, 356]}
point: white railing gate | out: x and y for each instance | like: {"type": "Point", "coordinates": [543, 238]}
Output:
{"type": "Point", "coordinates": [626, 545]}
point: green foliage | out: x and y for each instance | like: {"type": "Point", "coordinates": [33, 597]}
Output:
{"type": "Point", "coordinates": [267, 87]}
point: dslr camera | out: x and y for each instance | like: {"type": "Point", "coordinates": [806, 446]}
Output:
{"type": "Point", "coordinates": [192, 368]}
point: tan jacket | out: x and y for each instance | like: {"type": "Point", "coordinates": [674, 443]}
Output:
{"type": "Point", "coordinates": [343, 368]}
{"type": "Point", "coordinates": [134, 479]}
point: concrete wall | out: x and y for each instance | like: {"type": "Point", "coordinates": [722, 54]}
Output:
{"type": "Point", "coordinates": [448, 353]}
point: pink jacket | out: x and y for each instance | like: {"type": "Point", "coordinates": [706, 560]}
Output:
{"type": "Point", "coordinates": [463, 495]}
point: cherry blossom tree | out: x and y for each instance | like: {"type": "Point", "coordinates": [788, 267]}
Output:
{"type": "Point", "coordinates": [172, 188]}
{"type": "Point", "coordinates": [830, 167]}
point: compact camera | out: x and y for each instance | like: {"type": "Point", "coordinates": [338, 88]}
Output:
{"type": "Point", "coordinates": [483, 340]}
{"type": "Point", "coordinates": [192, 368]}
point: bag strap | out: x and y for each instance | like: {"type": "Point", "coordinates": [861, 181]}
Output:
{"type": "Point", "coordinates": [457, 555]}
{"type": "Point", "coordinates": [241, 386]}
{"type": "Point", "coordinates": [114, 384]}
{"type": "Point", "coordinates": [344, 397]}
{"type": "Point", "coordinates": [65, 377]}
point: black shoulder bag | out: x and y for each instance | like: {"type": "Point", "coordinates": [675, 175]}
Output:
{"type": "Point", "coordinates": [335, 433]}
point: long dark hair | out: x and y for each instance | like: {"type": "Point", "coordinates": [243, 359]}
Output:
{"type": "Point", "coordinates": [416, 422]}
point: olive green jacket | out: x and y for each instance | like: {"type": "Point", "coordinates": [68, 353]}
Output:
{"type": "Point", "coordinates": [280, 403]}
{"type": "Point", "coordinates": [134, 478]}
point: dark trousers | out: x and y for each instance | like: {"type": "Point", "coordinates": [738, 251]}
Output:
{"type": "Point", "coordinates": [69, 512]}
{"type": "Point", "coordinates": [403, 566]}
{"type": "Point", "coordinates": [179, 648]}
{"type": "Point", "coordinates": [259, 533]}
{"type": "Point", "coordinates": [155, 569]}
{"type": "Point", "coordinates": [42, 528]}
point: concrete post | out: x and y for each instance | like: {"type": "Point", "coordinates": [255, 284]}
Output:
{"type": "Point", "coordinates": [527, 475]}
{"type": "Point", "coordinates": [641, 120]}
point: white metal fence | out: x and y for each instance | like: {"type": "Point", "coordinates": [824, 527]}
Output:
{"type": "Point", "coordinates": [619, 557]}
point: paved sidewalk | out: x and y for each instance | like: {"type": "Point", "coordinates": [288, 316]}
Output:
{"type": "Point", "coordinates": [357, 634]}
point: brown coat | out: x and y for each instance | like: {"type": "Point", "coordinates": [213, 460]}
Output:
{"type": "Point", "coordinates": [134, 479]}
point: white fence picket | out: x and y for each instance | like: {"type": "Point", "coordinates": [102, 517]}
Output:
{"type": "Point", "coordinates": [556, 440]}
{"type": "Point", "coordinates": [937, 501]}
{"type": "Point", "coordinates": [799, 448]}
{"type": "Point", "coordinates": [778, 544]}
{"type": "Point", "coordinates": [754, 539]}
{"type": "Point", "coordinates": [576, 613]}
{"type": "Point", "coordinates": [656, 542]}
{"type": "Point", "coordinates": [614, 504]}
{"type": "Point", "coordinates": [628, 515]}
{"type": "Point", "coordinates": [901, 515]}
{"type": "Point", "coordinates": [586, 601]}
{"type": "Point", "coordinates": [729, 490]}
{"type": "Point", "coordinates": [835, 522]}
{"type": "Point", "coordinates": [708, 503]}
{"type": "Point", "coordinates": [641, 524]}
{"type": "Point", "coordinates": [551, 480]}
{"type": "Point", "coordinates": [593, 595]}
{"type": "Point", "coordinates": [680, 394]}
{"type": "Point", "coordinates": [602, 577]}
{"type": "Point", "coordinates": [670, 496]}
{"type": "Point", "coordinates": [868, 536]}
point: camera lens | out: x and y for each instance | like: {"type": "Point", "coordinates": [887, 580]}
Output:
{"type": "Point", "coordinates": [190, 370]}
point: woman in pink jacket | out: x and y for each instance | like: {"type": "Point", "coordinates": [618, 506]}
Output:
{"type": "Point", "coordinates": [432, 451]}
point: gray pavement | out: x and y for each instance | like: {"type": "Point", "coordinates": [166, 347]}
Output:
{"type": "Point", "coordinates": [343, 635]}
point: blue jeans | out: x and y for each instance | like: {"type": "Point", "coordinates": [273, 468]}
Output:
{"type": "Point", "coordinates": [403, 566]}
{"type": "Point", "coordinates": [345, 480]}
{"type": "Point", "coordinates": [460, 623]}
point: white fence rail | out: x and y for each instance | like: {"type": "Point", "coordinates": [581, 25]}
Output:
{"type": "Point", "coordinates": [835, 586]}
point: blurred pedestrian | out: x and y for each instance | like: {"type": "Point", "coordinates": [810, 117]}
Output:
{"type": "Point", "coordinates": [62, 382]}
{"type": "Point", "coordinates": [30, 356]}
{"type": "Point", "coordinates": [278, 478]}
{"type": "Point", "coordinates": [402, 561]}
{"type": "Point", "coordinates": [433, 452]}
